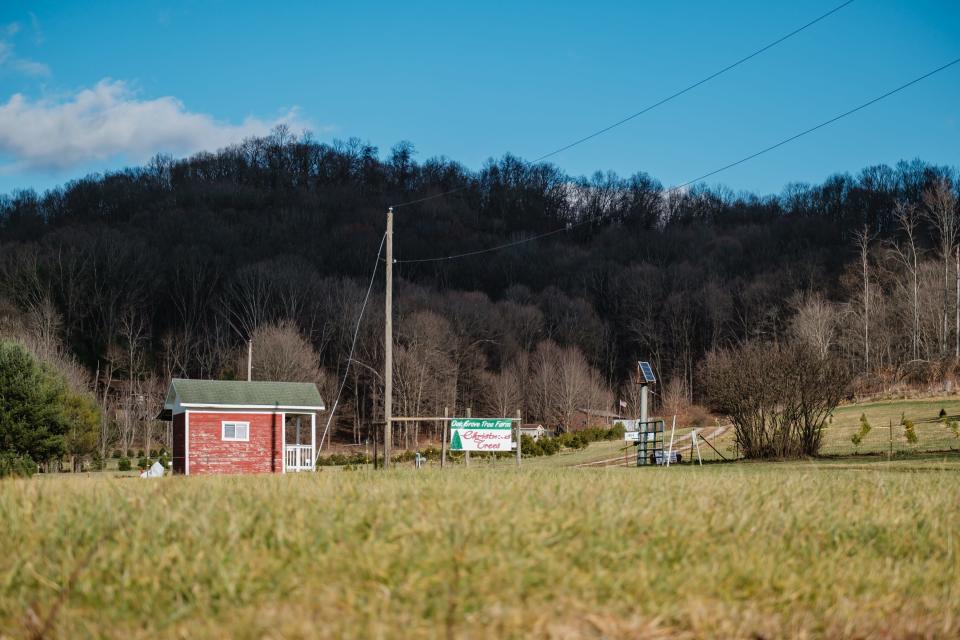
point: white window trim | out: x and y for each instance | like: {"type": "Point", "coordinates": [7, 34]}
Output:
{"type": "Point", "coordinates": [223, 430]}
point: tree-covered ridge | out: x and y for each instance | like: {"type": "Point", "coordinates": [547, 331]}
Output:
{"type": "Point", "coordinates": [166, 269]}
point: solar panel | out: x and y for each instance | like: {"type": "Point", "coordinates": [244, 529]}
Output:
{"type": "Point", "coordinates": [646, 372]}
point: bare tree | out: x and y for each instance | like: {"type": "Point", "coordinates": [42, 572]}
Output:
{"type": "Point", "coordinates": [907, 217]}
{"type": "Point", "coordinates": [248, 299]}
{"type": "Point", "coordinates": [282, 354]}
{"type": "Point", "coordinates": [675, 400]}
{"type": "Point", "coordinates": [814, 321]}
{"type": "Point", "coordinates": [503, 393]}
{"type": "Point", "coordinates": [940, 206]}
{"type": "Point", "coordinates": [133, 333]}
{"type": "Point", "coordinates": [565, 383]}
{"type": "Point", "coordinates": [862, 238]}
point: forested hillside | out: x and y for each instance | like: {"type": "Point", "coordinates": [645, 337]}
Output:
{"type": "Point", "coordinates": [166, 270]}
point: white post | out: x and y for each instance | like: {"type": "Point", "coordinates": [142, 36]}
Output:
{"type": "Point", "coordinates": [643, 403]}
{"type": "Point", "coordinates": [249, 360]}
{"type": "Point", "coordinates": [519, 424]}
{"type": "Point", "coordinates": [696, 443]}
{"type": "Point", "coordinates": [673, 430]}
{"type": "Point", "coordinates": [466, 454]}
{"type": "Point", "coordinates": [313, 440]}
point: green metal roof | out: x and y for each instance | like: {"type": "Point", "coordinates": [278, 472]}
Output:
{"type": "Point", "coordinates": [241, 392]}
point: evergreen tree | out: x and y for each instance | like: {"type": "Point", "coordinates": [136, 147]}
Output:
{"type": "Point", "coordinates": [34, 406]}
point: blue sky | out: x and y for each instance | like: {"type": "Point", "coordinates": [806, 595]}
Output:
{"type": "Point", "coordinates": [88, 87]}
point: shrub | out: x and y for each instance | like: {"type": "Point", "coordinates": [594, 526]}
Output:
{"type": "Point", "coordinates": [129, 453]}
{"type": "Point", "coordinates": [342, 459]}
{"type": "Point", "coordinates": [865, 428]}
{"type": "Point", "coordinates": [909, 430]}
{"type": "Point", "coordinates": [16, 466]}
{"type": "Point", "coordinates": [943, 413]}
{"type": "Point", "coordinates": [124, 464]}
{"type": "Point", "coordinates": [530, 447]}
{"type": "Point", "coordinates": [97, 461]}
{"type": "Point", "coordinates": [143, 463]}
{"type": "Point", "coordinates": [550, 446]}
{"type": "Point", "coordinates": [408, 456]}
{"type": "Point", "coordinates": [116, 453]}
{"type": "Point", "coordinates": [698, 417]}
{"type": "Point", "coordinates": [777, 396]}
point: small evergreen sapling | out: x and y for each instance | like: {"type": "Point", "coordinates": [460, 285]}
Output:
{"type": "Point", "coordinates": [865, 428]}
{"type": "Point", "coordinates": [909, 430]}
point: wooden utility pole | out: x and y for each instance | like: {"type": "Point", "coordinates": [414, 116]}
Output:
{"type": "Point", "coordinates": [443, 437]}
{"type": "Point", "coordinates": [519, 424]}
{"type": "Point", "coordinates": [388, 349]}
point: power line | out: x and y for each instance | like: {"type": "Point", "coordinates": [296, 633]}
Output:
{"type": "Point", "coordinates": [353, 344]}
{"type": "Point", "coordinates": [692, 86]}
{"type": "Point", "coordinates": [706, 175]}
{"type": "Point", "coordinates": [496, 248]}
{"type": "Point", "coordinates": [819, 126]}
{"type": "Point", "coordinates": [651, 107]}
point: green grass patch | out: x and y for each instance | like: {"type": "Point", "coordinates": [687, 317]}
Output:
{"type": "Point", "coordinates": [932, 435]}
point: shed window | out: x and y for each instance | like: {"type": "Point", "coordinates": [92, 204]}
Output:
{"type": "Point", "coordinates": [236, 431]}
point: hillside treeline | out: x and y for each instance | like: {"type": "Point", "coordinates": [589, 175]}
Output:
{"type": "Point", "coordinates": [167, 269]}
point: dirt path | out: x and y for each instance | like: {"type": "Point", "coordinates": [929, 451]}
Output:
{"type": "Point", "coordinates": [631, 458]}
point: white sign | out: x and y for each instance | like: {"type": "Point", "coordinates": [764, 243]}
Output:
{"type": "Point", "coordinates": [481, 434]}
{"type": "Point", "coordinates": [631, 436]}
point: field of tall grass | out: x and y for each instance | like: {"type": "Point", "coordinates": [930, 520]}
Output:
{"type": "Point", "coordinates": [762, 550]}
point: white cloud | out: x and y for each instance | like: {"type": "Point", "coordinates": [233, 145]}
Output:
{"type": "Point", "coordinates": [38, 36]}
{"type": "Point", "coordinates": [9, 58]}
{"type": "Point", "coordinates": [109, 121]}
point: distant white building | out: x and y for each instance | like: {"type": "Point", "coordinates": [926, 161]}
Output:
{"type": "Point", "coordinates": [535, 431]}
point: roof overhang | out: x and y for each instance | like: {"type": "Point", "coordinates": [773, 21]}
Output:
{"type": "Point", "coordinates": [253, 407]}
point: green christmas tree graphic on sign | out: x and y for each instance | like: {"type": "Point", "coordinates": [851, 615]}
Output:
{"type": "Point", "coordinates": [455, 444]}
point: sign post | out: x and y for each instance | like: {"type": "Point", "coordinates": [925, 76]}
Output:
{"type": "Point", "coordinates": [519, 425]}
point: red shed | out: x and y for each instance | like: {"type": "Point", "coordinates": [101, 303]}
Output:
{"type": "Point", "coordinates": [229, 426]}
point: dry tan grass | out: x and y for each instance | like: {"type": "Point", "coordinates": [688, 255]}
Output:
{"type": "Point", "coordinates": [750, 550]}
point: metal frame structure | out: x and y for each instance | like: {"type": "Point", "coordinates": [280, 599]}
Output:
{"type": "Point", "coordinates": [650, 444]}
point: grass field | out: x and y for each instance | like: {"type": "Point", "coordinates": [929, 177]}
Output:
{"type": "Point", "coordinates": [822, 549]}
{"type": "Point", "coordinates": [933, 436]}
